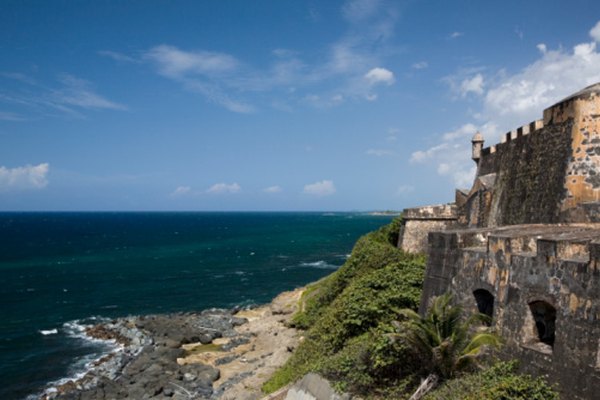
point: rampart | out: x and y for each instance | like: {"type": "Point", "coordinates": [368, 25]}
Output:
{"type": "Point", "coordinates": [525, 245]}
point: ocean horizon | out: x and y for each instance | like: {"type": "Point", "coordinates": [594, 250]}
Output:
{"type": "Point", "coordinates": [63, 271]}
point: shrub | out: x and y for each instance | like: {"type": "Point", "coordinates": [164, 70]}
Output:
{"type": "Point", "coordinates": [500, 382]}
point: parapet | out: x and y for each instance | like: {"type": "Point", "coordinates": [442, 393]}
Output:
{"type": "Point", "coordinates": [436, 212]}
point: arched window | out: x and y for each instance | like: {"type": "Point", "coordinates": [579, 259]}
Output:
{"type": "Point", "coordinates": [485, 303]}
{"type": "Point", "coordinates": [544, 316]}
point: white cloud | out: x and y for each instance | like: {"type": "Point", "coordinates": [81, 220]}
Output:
{"type": "Point", "coordinates": [21, 178]}
{"type": "Point", "coordinates": [380, 75]}
{"type": "Point", "coordinates": [455, 35]}
{"type": "Point", "coordinates": [542, 48]}
{"type": "Point", "coordinates": [322, 188]}
{"type": "Point", "coordinates": [595, 32]}
{"type": "Point", "coordinates": [472, 85]}
{"type": "Point", "coordinates": [273, 189]}
{"type": "Point", "coordinates": [181, 191]}
{"type": "Point", "coordinates": [224, 188]}
{"type": "Point", "coordinates": [78, 92]}
{"type": "Point", "coordinates": [420, 65]}
{"type": "Point", "coordinates": [520, 98]}
{"type": "Point", "coordinates": [379, 152]}
{"type": "Point", "coordinates": [176, 63]}
{"type": "Point", "coordinates": [452, 156]}
{"type": "Point", "coordinates": [509, 101]}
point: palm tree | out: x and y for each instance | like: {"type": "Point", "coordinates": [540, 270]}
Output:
{"type": "Point", "coordinates": [444, 341]}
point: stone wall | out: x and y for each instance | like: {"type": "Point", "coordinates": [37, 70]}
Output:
{"type": "Point", "coordinates": [530, 180]}
{"type": "Point", "coordinates": [541, 286]}
{"type": "Point", "coordinates": [418, 222]}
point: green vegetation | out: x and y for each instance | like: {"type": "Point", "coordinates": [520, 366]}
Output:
{"type": "Point", "coordinates": [352, 337]}
{"type": "Point", "coordinates": [500, 382]}
{"type": "Point", "coordinates": [444, 341]}
{"type": "Point", "coordinates": [349, 314]}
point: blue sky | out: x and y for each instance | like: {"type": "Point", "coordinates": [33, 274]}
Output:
{"type": "Point", "coordinates": [272, 105]}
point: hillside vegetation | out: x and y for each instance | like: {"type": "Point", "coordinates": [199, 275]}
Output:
{"type": "Point", "coordinates": [351, 335]}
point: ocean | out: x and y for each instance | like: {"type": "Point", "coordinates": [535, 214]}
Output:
{"type": "Point", "coordinates": [60, 272]}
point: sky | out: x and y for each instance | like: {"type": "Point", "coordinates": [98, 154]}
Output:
{"type": "Point", "coordinates": [282, 105]}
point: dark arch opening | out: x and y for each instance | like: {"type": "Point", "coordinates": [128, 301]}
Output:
{"type": "Point", "coordinates": [544, 316]}
{"type": "Point", "coordinates": [485, 303]}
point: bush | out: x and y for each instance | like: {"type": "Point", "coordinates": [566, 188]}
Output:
{"type": "Point", "coordinates": [500, 382]}
{"type": "Point", "coordinates": [348, 313]}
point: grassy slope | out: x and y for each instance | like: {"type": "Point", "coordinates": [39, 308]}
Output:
{"type": "Point", "coordinates": [348, 317]}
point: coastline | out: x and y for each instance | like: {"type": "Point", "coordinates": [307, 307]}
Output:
{"type": "Point", "coordinates": [213, 354]}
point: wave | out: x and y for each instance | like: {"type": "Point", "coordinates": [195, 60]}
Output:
{"type": "Point", "coordinates": [319, 265]}
{"type": "Point", "coordinates": [47, 332]}
{"type": "Point", "coordinates": [76, 329]}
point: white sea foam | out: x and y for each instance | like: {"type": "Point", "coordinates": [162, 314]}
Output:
{"type": "Point", "coordinates": [319, 265]}
{"type": "Point", "coordinates": [76, 330]}
{"type": "Point", "coordinates": [47, 332]}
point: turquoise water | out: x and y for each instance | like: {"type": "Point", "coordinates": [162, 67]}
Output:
{"type": "Point", "coordinates": [60, 271]}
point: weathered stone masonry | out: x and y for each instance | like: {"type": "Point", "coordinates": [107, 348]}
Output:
{"type": "Point", "coordinates": [523, 245]}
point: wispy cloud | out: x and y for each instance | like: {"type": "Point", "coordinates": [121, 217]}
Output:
{"type": "Point", "coordinates": [71, 96]}
{"type": "Point", "coordinates": [10, 116]}
{"type": "Point", "coordinates": [79, 93]}
{"type": "Point", "coordinates": [181, 191]}
{"type": "Point", "coordinates": [360, 10]}
{"type": "Point", "coordinates": [24, 178]}
{"type": "Point", "coordinates": [273, 189]}
{"type": "Point", "coordinates": [176, 63]}
{"type": "Point", "coordinates": [224, 188]}
{"type": "Point", "coordinates": [349, 68]}
{"type": "Point", "coordinates": [456, 35]}
{"type": "Point", "coordinates": [452, 155]}
{"type": "Point", "coordinates": [120, 57]}
{"type": "Point", "coordinates": [472, 85]}
{"type": "Point", "coordinates": [18, 77]}
{"type": "Point", "coordinates": [320, 189]}
{"type": "Point", "coordinates": [420, 65]}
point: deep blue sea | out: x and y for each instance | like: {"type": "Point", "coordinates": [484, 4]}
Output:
{"type": "Point", "coordinates": [61, 271]}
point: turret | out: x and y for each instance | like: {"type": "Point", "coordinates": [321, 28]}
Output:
{"type": "Point", "coordinates": [477, 145]}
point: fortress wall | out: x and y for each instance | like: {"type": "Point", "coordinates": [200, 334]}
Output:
{"type": "Point", "coordinates": [530, 176]}
{"type": "Point", "coordinates": [521, 265]}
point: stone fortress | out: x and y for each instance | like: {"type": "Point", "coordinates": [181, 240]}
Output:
{"type": "Point", "coordinates": [523, 244]}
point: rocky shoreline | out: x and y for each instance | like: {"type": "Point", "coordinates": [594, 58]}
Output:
{"type": "Point", "coordinates": [213, 354]}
